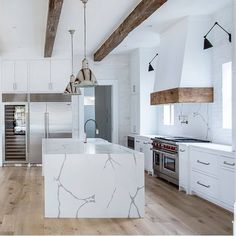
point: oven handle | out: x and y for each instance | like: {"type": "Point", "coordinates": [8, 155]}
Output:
{"type": "Point", "coordinates": [165, 153]}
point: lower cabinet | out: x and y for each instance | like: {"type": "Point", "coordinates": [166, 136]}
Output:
{"type": "Point", "coordinates": [212, 176]}
{"type": "Point", "coordinates": [183, 168]}
{"type": "Point", "coordinates": [144, 145]}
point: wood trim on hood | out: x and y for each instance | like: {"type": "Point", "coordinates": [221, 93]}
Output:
{"type": "Point", "coordinates": [183, 95]}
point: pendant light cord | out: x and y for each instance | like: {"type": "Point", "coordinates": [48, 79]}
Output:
{"type": "Point", "coordinates": [72, 54]}
{"type": "Point", "coordinates": [85, 32]}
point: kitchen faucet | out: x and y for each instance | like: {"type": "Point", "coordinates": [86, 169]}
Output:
{"type": "Point", "coordinates": [85, 126]}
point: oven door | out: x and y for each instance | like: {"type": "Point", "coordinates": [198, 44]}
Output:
{"type": "Point", "coordinates": [170, 165]}
{"type": "Point", "coordinates": [157, 162]}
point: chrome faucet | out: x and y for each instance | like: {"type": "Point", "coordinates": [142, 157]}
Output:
{"type": "Point", "coordinates": [85, 126]}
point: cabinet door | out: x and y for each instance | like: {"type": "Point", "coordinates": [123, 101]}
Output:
{"type": "Point", "coordinates": [183, 166]}
{"type": "Point", "coordinates": [21, 76]}
{"type": "Point", "coordinates": [39, 75]}
{"type": "Point", "coordinates": [135, 114]}
{"type": "Point", "coordinates": [137, 145]}
{"type": "Point", "coordinates": [60, 74]}
{"type": "Point", "coordinates": [227, 186]}
{"type": "Point", "coordinates": [148, 156]}
{"type": "Point", "coordinates": [8, 76]}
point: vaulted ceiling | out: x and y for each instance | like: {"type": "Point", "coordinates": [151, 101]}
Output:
{"type": "Point", "coordinates": [23, 24]}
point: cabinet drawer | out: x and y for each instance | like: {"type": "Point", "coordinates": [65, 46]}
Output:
{"type": "Point", "coordinates": [227, 162]}
{"type": "Point", "coordinates": [205, 162]}
{"type": "Point", "coordinates": [204, 184]}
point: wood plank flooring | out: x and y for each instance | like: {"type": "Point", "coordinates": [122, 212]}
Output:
{"type": "Point", "coordinates": [168, 211]}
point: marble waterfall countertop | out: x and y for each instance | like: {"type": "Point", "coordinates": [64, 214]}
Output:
{"type": "Point", "coordinates": [97, 179]}
{"type": "Point", "coordinates": [76, 146]}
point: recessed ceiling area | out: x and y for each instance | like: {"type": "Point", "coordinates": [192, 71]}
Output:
{"type": "Point", "coordinates": [22, 33]}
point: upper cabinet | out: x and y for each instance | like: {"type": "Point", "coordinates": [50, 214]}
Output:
{"type": "Point", "coordinates": [35, 76]}
{"type": "Point", "coordinates": [14, 76]}
{"type": "Point", "coordinates": [39, 75]}
{"type": "Point", "coordinates": [60, 74]}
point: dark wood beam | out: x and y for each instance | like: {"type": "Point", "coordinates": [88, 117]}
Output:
{"type": "Point", "coordinates": [183, 95]}
{"type": "Point", "coordinates": [144, 10]}
{"type": "Point", "coordinates": [54, 12]}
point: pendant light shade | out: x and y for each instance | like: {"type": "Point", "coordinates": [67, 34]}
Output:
{"type": "Point", "coordinates": [71, 89]}
{"type": "Point", "coordinates": [85, 77]}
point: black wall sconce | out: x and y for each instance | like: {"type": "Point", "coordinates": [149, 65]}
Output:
{"type": "Point", "coordinates": [207, 43]}
{"type": "Point", "coordinates": [150, 67]}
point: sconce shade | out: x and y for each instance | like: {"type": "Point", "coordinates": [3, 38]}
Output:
{"type": "Point", "coordinates": [150, 68]}
{"type": "Point", "coordinates": [207, 44]}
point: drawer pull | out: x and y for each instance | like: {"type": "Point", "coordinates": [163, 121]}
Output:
{"type": "Point", "coordinates": [204, 163]}
{"type": "Point", "coordinates": [206, 186]}
{"type": "Point", "coordinates": [182, 150]}
{"type": "Point", "coordinates": [229, 164]}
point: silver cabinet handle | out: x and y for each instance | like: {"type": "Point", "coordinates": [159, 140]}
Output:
{"type": "Point", "coordinates": [229, 164]}
{"type": "Point", "coordinates": [134, 88]}
{"type": "Point", "coordinates": [50, 86]}
{"type": "Point", "coordinates": [204, 163]}
{"type": "Point", "coordinates": [206, 186]}
{"type": "Point", "coordinates": [145, 142]}
{"type": "Point", "coordinates": [182, 150]}
{"type": "Point", "coordinates": [137, 141]}
{"type": "Point", "coordinates": [14, 86]}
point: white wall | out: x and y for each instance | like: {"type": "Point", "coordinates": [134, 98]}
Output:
{"type": "Point", "coordinates": [209, 114]}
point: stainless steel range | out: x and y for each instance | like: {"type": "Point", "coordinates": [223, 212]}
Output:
{"type": "Point", "coordinates": [166, 157]}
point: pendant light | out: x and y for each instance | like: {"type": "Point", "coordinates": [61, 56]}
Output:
{"type": "Point", "coordinates": [71, 89]}
{"type": "Point", "coordinates": [85, 77]}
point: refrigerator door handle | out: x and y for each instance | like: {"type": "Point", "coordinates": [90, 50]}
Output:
{"type": "Point", "coordinates": [28, 132]}
{"type": "Point", "coordinates": [46, 124]}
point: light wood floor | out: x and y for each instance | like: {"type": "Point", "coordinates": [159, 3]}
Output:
{"type": "Point", "coordinates": [167, 211]}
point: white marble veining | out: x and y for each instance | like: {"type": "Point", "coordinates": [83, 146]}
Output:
{"type": "Point", "coordinates": [101, 180]}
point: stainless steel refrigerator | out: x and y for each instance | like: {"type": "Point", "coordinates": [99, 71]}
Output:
{"type": "Point", "coordinates": [47, 116]}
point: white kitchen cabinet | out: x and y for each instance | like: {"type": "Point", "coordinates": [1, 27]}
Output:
{"type": "Point", "coordinates": [14, 76]}
{"type": "Point", "coordinates": [148, 157]}
{"type": "Point", "coordinates": [226, 181]}
{"type": "Point", "coordinates": [183, 168]}
{"type": "Point", "coordinates": [135, 128]}
{"type": "Point", "coordinates": [144, 145]}
{"type": "Point", "coordinates": [60, 75]}
{"type": "Point", "coordinates": [212, 175]}
{"type": "Point", "coordinates": [137, 145]}
{"type": "Point", "coordinates": [39, 75]}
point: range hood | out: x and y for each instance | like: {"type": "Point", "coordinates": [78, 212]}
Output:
{"type": "Point", "coordinates": [183, 73]}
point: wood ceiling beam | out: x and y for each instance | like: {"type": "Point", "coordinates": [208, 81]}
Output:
{"type": "Point", "coordinates": [54, 12]}
{"type": "Point", "coordinates": [144, 10]}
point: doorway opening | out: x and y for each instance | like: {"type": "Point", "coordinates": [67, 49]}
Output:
{"type": "Point", "coordinates": [98, 106]}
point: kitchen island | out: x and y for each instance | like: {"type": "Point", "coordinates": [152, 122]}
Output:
{"type": "Point", "coordinates": [97, 179]}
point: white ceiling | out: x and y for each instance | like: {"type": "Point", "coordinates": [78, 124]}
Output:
{"type": "Point", "coordinates": [147, 34]}
{"type": "Point", "coordinates": [23, 24]}
{"type": "Point", "coordinates": [22, 27]}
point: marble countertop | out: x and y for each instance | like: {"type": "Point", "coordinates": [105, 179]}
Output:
{"type": "Point", "coordinates": [214, 146]}
{"type": "Point", "coordinates": [76, 146]}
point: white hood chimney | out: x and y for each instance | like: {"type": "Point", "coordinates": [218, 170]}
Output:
{"type": "Point", "coordinates": [183, 72]}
